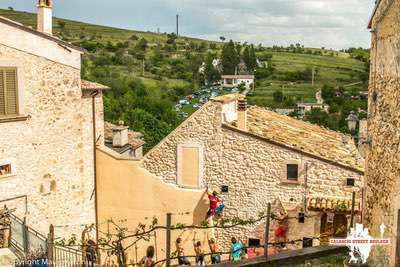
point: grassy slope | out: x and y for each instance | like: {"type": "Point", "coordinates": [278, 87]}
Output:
{"type": "Point", "coordinates": [335, 70]}
{"type": "Point", "coordinates": [108, 33]}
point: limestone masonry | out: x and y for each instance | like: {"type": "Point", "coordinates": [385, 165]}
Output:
{"type": "Point", "coordinates": [383, 154]}
{"type": "Point", "coordinates": [252, 164]}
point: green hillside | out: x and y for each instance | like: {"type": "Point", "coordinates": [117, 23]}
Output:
{"type": "Point", "coordinates": [151, 72]}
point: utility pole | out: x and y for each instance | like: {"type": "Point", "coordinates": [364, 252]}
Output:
{"type": "Point", "coordinates": [177, 24]}
{"type": "Point", "coordinates": [313, 76]}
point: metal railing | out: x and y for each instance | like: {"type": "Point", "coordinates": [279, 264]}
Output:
{"type": "Point", "coordinates": [27, 242]}
{"type": "Point", "coordinates": [68, 257]}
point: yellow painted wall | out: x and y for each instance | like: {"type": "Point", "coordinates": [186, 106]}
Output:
{"type": "Point", "coordinates": [130, 195]}
{"type": "Point", "coordinates": [190, 166]}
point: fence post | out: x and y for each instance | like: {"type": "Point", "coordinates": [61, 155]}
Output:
{"type": "Point", "coordinates": [267, 232]}
{"type": "Point", "coordinates": [168, 245]}
{"type": "Point", "coordinates": [353, 203]}
{"type": "Point", "coordinates": [25, 236]}
{"type": "Point", "coordinates": [50, 245]}
{"type": "Point", "coordinates": [5, 227]}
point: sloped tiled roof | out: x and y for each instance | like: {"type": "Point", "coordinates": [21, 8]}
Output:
{"type": "Point", "coordinates": [304, 136]}
{"type": "Point", "coordinates": [87, 85]}
{"type": "Point", "coordinates": [134, 138]}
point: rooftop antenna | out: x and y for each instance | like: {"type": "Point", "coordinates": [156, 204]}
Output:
{"type": "Point", "coordinates": [177, 24]}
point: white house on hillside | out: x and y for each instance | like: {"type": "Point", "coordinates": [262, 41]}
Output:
{"type": "Point", "coordinates": [230, 81]}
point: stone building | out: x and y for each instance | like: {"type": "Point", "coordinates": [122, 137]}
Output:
{"type": "Point", "coordinates": [383, 155]}
{"type": "Point", "coordinates": [254, 157]}
{"type": "Point", "coordinates": [47, 127]}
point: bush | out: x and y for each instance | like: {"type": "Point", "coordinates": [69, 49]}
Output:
{"type": "Point", "coordinates": [278, 96]}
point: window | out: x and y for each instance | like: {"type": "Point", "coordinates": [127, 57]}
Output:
{"type": "Point", "coordinates": [350, 182]}
{"type": "Point", "coordinates": [190, 165]}
{"type": "Point", "coordinates": [292, 172]}
{"type": "Point", "coordinates": [254, 242]}
{"type": "Point", "coordinates": [5, 170]}
{"type": "Point", "coordinates": [224, 189]}
{"type": "Point", "coordinates": [8, 91]}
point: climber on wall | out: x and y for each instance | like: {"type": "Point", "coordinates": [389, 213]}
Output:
{"type": "Point", "coordinates": [214, 209]}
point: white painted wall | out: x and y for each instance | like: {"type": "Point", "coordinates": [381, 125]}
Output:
{"type": "Point", "coordinates": [33, 44]}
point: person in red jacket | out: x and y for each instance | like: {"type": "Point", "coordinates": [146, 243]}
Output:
{"type": "Point", "coordinates": [214, 209]}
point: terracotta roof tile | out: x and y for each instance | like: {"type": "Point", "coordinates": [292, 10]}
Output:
{"type": "Point", "coordinates": [332, 204]}
{"type": "Point", "coordinates": [87, 85]}
{"type": "Point", "coordinates": [304, 136]}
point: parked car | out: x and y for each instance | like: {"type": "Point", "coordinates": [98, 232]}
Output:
{"type": "Point", "coordinates": [234, 90]}
{"type": "Point", "coordinates": [184, 102]}
{"type": "Point", "coordinates": [197, 105]}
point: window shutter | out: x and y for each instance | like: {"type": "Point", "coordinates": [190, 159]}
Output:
{"type": "Point", "coordinates": [11, 91]}
{"type": "Point", "coordinates": [2, 94]}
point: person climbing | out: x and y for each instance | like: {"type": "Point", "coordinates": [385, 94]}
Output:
{"type": "Point", "coordinates": [148, 260]}
{"type": "Point", "coordinates": [182, 259]}
{"type": "Point", "coordinates": [214, 249]}
{"type": "Point", "coordinates": [214, 209]}
{"type": "Point", "coordinates": [235, 250]}
{"type": "Point", "coordinates": [281, 230]}
{"type": "Point", "coordinates": [199, 252]}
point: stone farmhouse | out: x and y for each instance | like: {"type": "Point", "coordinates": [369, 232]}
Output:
{"type": "Point", "coordinates": [49, 122]}
{"type": "Point", "coordinates": [382, 204]}
{"type": "Point", "coordinates": [255, 156]}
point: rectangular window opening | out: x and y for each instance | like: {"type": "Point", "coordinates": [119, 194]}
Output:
{"type": "Point", "coordinates": [8, 91]}
{"type": "Point", "coordinates": [5, 169]}
{"type": "Point", "coordinates": [350, 181]}
{"type": "Point", "coordinates": [254, 242]}
{"type": "Point", "coordinates": [292, 172]}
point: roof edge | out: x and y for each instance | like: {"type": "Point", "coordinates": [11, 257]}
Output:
{"type": "Point", "coordinates": [373, 14]}
{"type": "Point", "coordinates": [262, 138]}
{"type": "Point", "coordinates": [40, 34]}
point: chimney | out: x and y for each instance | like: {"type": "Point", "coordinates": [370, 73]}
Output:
{"type": "Point", "coordinates": [44, 16]}
{"type": "Point", "coordinates": [242, 114]}
{"type": "Point", "coordinates": [120, 135]}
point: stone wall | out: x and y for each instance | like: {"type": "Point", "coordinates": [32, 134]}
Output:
{"type": "Point", "coordinates": [252, 168]}
{"type": "Point", "coordinates": [383, 155]}
{"type": "Point", "coordinates": [52, 150]}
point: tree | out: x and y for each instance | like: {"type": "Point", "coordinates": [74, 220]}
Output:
{"type": "Point", "coordinates": [171, 38]}
{"type": "Point", "coordinates": [246, 58]}
{"type": "Point", "coordinates": [230, 58]}
{"type": "Point", "coordinates": [327, 92]}
{"type": "Point", "coordinates": [253, 59]}
{"type": "Point", "coordinates": [278, 96]}
{"type": "Point", "coordinates": [61, 24]}
{"type": "Point", "coordinates": [317, 116]}
{"type": "Point", "coordinates": [142, 44]}
{"type": "Point", "coordinates": [153, 129]}
{"type": "Point", "coordinates": [211, 74]}
{"type": "Point", "coordinates": [222, 38]}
